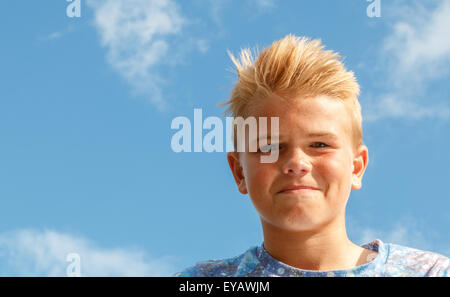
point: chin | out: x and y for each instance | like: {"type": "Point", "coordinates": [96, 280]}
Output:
{"type": "Point", "coordinates": [299, 226]}
{"type": "Point", "coordinates": [298, 223]}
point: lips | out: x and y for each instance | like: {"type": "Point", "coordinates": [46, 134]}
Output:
{"type": "Point", "coordinates": [297, 188]}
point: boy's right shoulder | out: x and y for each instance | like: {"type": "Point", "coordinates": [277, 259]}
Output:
{"type": "Point", "coordinates": [407, 261]}
{"type": "Point", "coordinates": [221, 267]}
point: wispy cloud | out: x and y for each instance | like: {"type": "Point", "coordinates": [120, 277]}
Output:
{"type": "Point", "coordinates": [407, 231]}
{"type": "Point", "coordinates": [263, 4]}
{"type": "Point", "coordinates": [44, 253]}
{"type": "Point", "coordinates": [259, 7]}
{"type": "Point", "coordinates": [403, 104]}
{"type": "Point", "coordinates": [419, 46]}
{"type": "Point", "coordinates": [57, 34]}
{"type": "Point", "coordinates": [217, 9]}
{"type": "Point", "coordinates": [416, 53]}
{"type": "Point", "coordinates": [400, 233]}
{"type": "Point", "coordinates": [54, 35]}
{"type": "Point", "coordinates": [140, 36]}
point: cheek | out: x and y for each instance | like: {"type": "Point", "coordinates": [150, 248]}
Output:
{"type": "Point", "coordinates": [335, 172]}
{"type": "Point", "coordinates": [259, 177]}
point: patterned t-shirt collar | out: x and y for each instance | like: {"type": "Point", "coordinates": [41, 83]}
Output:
{"type": "Point", "coordinates": [273, 267]}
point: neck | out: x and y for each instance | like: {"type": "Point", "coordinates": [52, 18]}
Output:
{"type": "Point", "coordinates": [327, 249]}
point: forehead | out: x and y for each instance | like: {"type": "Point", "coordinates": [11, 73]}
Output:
{"type": "Point", "coordinates": [309, 115]}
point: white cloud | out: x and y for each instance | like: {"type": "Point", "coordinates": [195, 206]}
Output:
{"type": "Point", "coordinates": [420, 43]}
{"type": "Point", "coordinates": [406, 231]}
{"type": "Point", "coordinates": [401, 234]}
{"type": "Point", "coordinates": [54, 35]}
{"type": "Point", "coordinates": [137, 36]}
{"type": "Point", "coordinates": [142, 35]}
{"type": "Point", "coordinates": [44, 253]}
{"type": "Point", "coordinates": [396, 105]}
{"type": "Point", "coordinates": [416, 53]}
{"type": "Point", "coordinates": [57, 34]}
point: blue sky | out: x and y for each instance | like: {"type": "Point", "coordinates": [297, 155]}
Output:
{"type": "Point", "coordinates": [86, 106]}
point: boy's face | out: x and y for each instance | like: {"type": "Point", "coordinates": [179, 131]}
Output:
{"type": "Point", "coordinates": [316, 151]}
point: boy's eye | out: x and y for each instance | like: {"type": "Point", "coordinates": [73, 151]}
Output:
{"type": "Point", "coordinates": [268, 148]}
{"type": "Point", "coordinates": [319, 144]}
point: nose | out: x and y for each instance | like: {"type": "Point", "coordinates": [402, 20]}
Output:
{"type": "Point", "coordinates": [297, 163]}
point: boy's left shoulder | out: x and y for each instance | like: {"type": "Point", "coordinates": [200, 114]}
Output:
{"type": "Point", "coordinates": [406, 261]}
{"type": "Point", "coordinates": [235, 266]}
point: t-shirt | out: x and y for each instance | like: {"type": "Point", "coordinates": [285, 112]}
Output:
{"type": "Point", "coordinates": [391, 260]}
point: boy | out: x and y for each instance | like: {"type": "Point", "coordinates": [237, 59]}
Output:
{"type": "Point", "coordinates": [302, 195]}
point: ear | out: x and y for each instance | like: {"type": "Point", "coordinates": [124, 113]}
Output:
{"type": "Point", "coordinates": [237, 170]}
{"type": "Point", "coordinates": [360, 162]}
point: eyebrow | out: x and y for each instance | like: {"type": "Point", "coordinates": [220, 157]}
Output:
{"type": "Point", "coordinates": [309, 135]}
{"type": "Point", "coordinates": [322, 134]}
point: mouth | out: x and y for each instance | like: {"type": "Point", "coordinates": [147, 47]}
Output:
{"type": "Point", "coordinates": [297, 189]}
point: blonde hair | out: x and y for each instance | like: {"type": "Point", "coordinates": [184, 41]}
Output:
{"type": "Point", "coordinates": [294, 66]}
